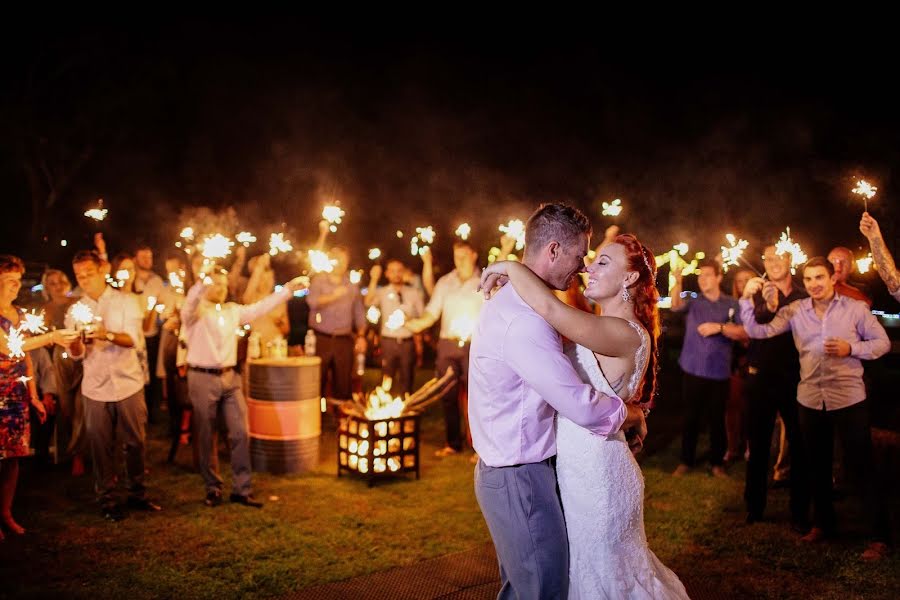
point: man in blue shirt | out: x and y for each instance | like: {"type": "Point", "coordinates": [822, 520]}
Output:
{"type": "Point", "coordinates": [713, 325]}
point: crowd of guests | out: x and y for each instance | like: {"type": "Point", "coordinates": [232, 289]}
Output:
{"type": "Point", "coordinates": [772, 353]}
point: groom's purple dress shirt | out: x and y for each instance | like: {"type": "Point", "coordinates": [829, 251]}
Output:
{"type": "Point", "coordinates": [519, 378]}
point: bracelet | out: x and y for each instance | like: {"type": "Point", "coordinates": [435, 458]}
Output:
{"type": "Point", "coordinates": [721, 328]}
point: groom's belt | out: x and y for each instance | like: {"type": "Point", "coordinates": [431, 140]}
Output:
{"type": "Point", "coordinates": [547, 461]}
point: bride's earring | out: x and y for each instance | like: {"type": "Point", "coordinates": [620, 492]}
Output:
{"type": "Point", "coordinates": [626, 295]}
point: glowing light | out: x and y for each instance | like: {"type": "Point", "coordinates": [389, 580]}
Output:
{"type": "Point", "coordinates": [612, 209]}
{"type": "Point", "coordinates": [24, 379]}
{"type": "Point", "coordinates": [399, 234]}
{"type": "Point", "coordinates": [278, 243]}
{"type": "Point", "coordinates": [176, 280]}
{"type": "Point", "coordinates": [682, 248]}
{"type": "Point", "coordinates": [382, 406]}
{"type": "Point", "coordinates": [187, 233]}
{"type": "Point", "coordinates": [216, 246]}
{"type": "Point", "coordinates": [246, 238]}
{"type": "Point", "coordinates": [515, 229]}
{"type": "Point", "coordinates": [333, 215]}
{"type": "Point", "coordinates": [864, 264]}
{"type": "Point", "coordinates": [320, 262]}
{"type": "Point", "coordinates": [373, 315]}
{"type": "Point", "coordinates": [356, 277]}
{"type": "Point", "coordinates": [396, 320]}
{"type": "Point", "coordinates": [374, 253]}
{"type": "Point", "coordinates": [151, 302]}
{"type": "Point", "coordinates": [33, 323]}
{"type": "Point", "coordinates": [785, 245]}
{"type": "Point", "coordinates": [99, 213]}
{"type": "Point", "coordinates": [15, 341]}
{"type": "Point", "coordinates": [82, 314]}
{"type": "Point", "coordinates": [63, 243]}
{"type": "Point", "coordinates": [463, 231]}
{"type": "Point", "coordinates": [733, 252]}
{"type": "Point", "coordinates": [122, 275]}
{"type": "Point", "coordinates": [866, 190]}
{"type": "Point", "coordinates": [462, 328]}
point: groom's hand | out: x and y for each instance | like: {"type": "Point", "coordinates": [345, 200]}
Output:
{"type": "Point", "coordinates": [635, 425]}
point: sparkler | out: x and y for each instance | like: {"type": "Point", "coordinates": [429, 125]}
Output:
{"type": "Point", "coordinates": [864, 264]}
{"type": "Point", "coordinates": [24, 379]}
{"type": "Point", "coordinates": [176, 280]}
{"type": "Point", "coordinates": [866, 190]}
{"type": "Point", "coordinates": [374, 253]}
{"type": "Point", "coordinates": [246, 238]}
{"type": "Point", "coordinates": [15, 341]}
{"type": "Point", "coordinates": [356, 276]}
{"type": "Point", "coordinates": [216, 246]}
{"type": "Point", "coordinates": [34, 323]}
{"type": "Point", "coordinates": [333, 215]}
{"type": "Point", "coordinates": [612, 209]}
{"type": "Point", "coordinates": [320, 261]}
{"type": "Point", "coordinates": [421, 242]}
{"type": "Point", "coordinates": [187, 233]}
{"type": "Point", "coordinates": [99, 213]}
{"type": "Point", "coordinates": [151, 302]}
{"type": "Point", "coordinates": [463, 231]}
{"type": "Point", "coordinates": [278, 243]}
{"type": "Point", "coordinates": [82, 314]}
{"type": "Point", "coordinates": [732, 253]}
{"type": "Point", "coordinates": [462, 328]}
{"type": "Point", "coordinates": [785, 245]}
{"type": "Point", "coordinates": [515, 229]}
{"type": "Point", "coordinates": [396, 320]}
{"type": "Point", "coordinates": [373, 315]}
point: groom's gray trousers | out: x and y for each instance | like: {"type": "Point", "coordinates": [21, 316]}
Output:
{"type": "Point", "coordinates": [521, 506]}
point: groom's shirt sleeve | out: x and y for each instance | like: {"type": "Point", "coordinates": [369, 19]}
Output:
{"type": "Point", "coordinates": [533, 350]}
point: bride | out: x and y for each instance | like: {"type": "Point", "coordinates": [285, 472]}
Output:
{"type": "Point", "coordinates": [600, 482]}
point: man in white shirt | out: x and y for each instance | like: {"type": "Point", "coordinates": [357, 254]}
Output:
{"type": "Point", "coordinates": [147, 284]}
{"type": "Point", "coordinates": [211, 326]}
{"type": "Point", "coordinates": [457, 303]}
{"type": "Point", "coordinates": [113, 383]}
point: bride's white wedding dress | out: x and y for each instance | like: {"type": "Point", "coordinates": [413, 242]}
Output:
{"type": "Point", "coordinates": [602, 491]}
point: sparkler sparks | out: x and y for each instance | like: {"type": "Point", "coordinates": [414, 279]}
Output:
{"type": "Point", "coordinates": [864, 264]}
{"type": "Point", "coordinates": [34, 323]}
{"type": "Point", "coordinates": [15, 341]}
{"type": "Point", "coordinates": [373, 315]}
{"type": "Point", "coordinates": [216, 246]}
{"type": "Point", "coordinates": [464, 231]}
{"type": "Point", "coordinates": [246, 238]}
{"type": "Point", "coordinates": [515, 229]}
{"type": "Point", "coordinates": [333, 215]}
{"type": "Point", "coordinates": [612, 209]}
{"type": "Point", "coordinates": [866, 190]}
{"type": "Point", "coordinates": [374, 253]}
{"type": "Point", "coordinates": [732, 253]}
{"type": "Point", "coordinates": [320, 262]}
{"type": "Point", "coordinates": [82, 314]}
{"type": "Point", "coordinates": [99, 213]}
{"type": "Point", "coordinates": [785, 245]}
{"type": "Point", "coordinates": [396, 320]}
{"type": "Point", "coordinates": [278, 243]}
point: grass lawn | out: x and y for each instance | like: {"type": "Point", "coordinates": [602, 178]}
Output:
{"type": "Point", "coordinates": [316, 528]}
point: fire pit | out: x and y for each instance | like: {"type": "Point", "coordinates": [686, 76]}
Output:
{"type": "Point", "coordinates": [380, 438]}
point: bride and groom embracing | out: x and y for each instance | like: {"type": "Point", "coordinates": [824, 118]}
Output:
{"type": "Point", "coordinates": [557, 481]}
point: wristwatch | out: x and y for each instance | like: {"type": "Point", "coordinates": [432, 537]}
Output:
{"type": "Point", "coordinates": [110, 336]}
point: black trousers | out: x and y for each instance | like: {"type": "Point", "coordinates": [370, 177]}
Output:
{"type": "Point", "coordinates": [768, 395]}
{"type": "Point", "coordinates": [451, 354]}
{"type": "Point", "coordinates": [153, 390]}
{"type": "Point", "coordinates": [336, 353]}
{"type": "Point", "coordinates": [398, 361]}
{"type": "Point", "coordinates": [704, 400]}
{"type": "Point", "coordinates": [854, 433]}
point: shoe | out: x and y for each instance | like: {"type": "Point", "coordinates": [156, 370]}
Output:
{"type": "Point", "coordinates": [143, 504]}
{"type": "Point", "coordinates": [815, 536]}
{"type": "Point", "coordinates": [681, 470]}
{"type": "Point", "coordinates": [876, 551]}
{"type": "Point", "coordinates": [445, 451]}
{"type": "Point", "coordinates": [719, 472]}
{"type": "Point", "coordinates": [112, 512]}
{"type": "Point", "coordinates": [245, 500]}
{"type": "Point", "coordinates": [213, 499]}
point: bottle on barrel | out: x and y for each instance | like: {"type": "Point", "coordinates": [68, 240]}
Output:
{"type": "Point", "coordinates": [254, 350]}
{"type": "Point", "coordinates": [361, 364]}
{"type": "Point", "coordinates": [309, 343]}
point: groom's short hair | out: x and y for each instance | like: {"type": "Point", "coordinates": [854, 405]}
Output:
{"type": "Point", "coordinates": [555, 222]}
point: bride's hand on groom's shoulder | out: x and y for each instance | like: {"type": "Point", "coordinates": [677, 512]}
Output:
{"type": "Point", "coordinates": [494, 275]}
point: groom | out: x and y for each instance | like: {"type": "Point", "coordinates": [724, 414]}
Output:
{"type": "Point", "coordinates": [518, 379]}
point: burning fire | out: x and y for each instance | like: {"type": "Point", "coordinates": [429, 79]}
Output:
{"type": "Point", "coordinates": [383, 406]}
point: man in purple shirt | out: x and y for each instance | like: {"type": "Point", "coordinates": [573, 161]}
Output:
{"type": "Point", "coordinates": [833, 333]}
{"type": "Point", "coordinates": [710, 331]}
{"type": "Point", "coordinates": [518, 379]}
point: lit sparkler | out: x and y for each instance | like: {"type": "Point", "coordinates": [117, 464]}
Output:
{"type": "Point", "coordinates": [216, 246]}
{"type": "Point", "coordinates": [612, 209]}
{"type": "Point", "coordinates": [356, 276]}
{"type": "Point", "coordinates": [246, 238]}
{"type": "Point", "coordinates": [34, 323]}
{"type": "Point", "coordinates": [515, 229]}
{"type": "Point", "coordinates": [462, 328]}
{"type": "Point", "coordinates": [82, 314]}
{"type": "Point", "coordinates": [187, 233]}
{"type": "Point", "coordinates": [463, 231]}
{"type": "Point", "coordinates": [320, 261]}
{"type": "Point", "coordinates": [15, 341]}
{"type": "Point", "coordinates": [785, 245]}
{"type": "Point", "coordinates": [866, 190]}
{"type": "Point", "coordinates": [333, 215]}
{"type": "Point", "coordinates": [864, 264]}
{"type": "Point", "coordinates": [373, 315]}
{"type": "Point", "coordinates": [374, 253]}
{"type": "Point", "coordinates": [24, 379]}
{"type": "Point", "coordinates": [732, 253]}
{"type": "Point", "coordinates": [278, 243]}
{"type": "Point", "coordinates": [99, 213]}
{"type": "Point", "coordinates": [396, 320]}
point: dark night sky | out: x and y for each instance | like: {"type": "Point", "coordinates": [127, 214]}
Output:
{"type": "Point", "coordinates": [406, 130]}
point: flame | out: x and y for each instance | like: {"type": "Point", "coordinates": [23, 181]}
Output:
{"type": "Point", "coordinates": [382, 406]}
{"type": "Point", "coordinates": [464, 230]}
{"type": "Point", "coordinates": [396, 320]}
{"type": "Point", "coordinates": [865, 189]}
{"type": "Point", "coordinates": [320, 261]}
{"type": "Point", "coordinates": [278, 243]}
{"type": "Point", "coordinates": [15, 341]}
{"type": "Point", "coordinates": [462, 328]}
{"type": "Point", "coordinates": [373, 315]}
{"type": "Point", "coordinates": [246, 238]}
{"type": "Point", "coordinates": [733, 252]}
{"type": "Point", "coordinates": [82, 314]}
{"type": "Point", "coordinates": [34, 323]}
{"type": "Point", "coordinates": [785, 245]}
{"type": "Point", "coordinates": [187, 233]}
{"type": "Point", "coordinates": [612, 209]}
{"type": "Point", "coordinates": [515, 229]}
{"type": "Point", "coordinates": [864, 264]}
{"type": "Point", "coordinates": [374, 253]}
{"type": "Point", "coordinates": [216, 246]}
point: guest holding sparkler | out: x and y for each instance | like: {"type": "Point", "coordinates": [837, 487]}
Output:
{"type": "Point", "coordinates": [735, 410]}
{"type": "Point", "coordinates": [884, 262]}
{"type": "Point", "coordinates": [706, 361]}
{"type": "Point", "coordinates": [211, 327]}
{"type": "Point", "coordinates": [17, 389]}
{"type": "Point", "coordinates": [149, 286]}
{"type": "Point", "coordinates": [842, 260]}
{"type": "Point", "coordinates": [113, 385]}
{"type": "Point", "coordinates": [338, 318]}
{"type": "Point", "coordinates": [273, 324]}
{"type": "Point", "coordinates": [457, 303]}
